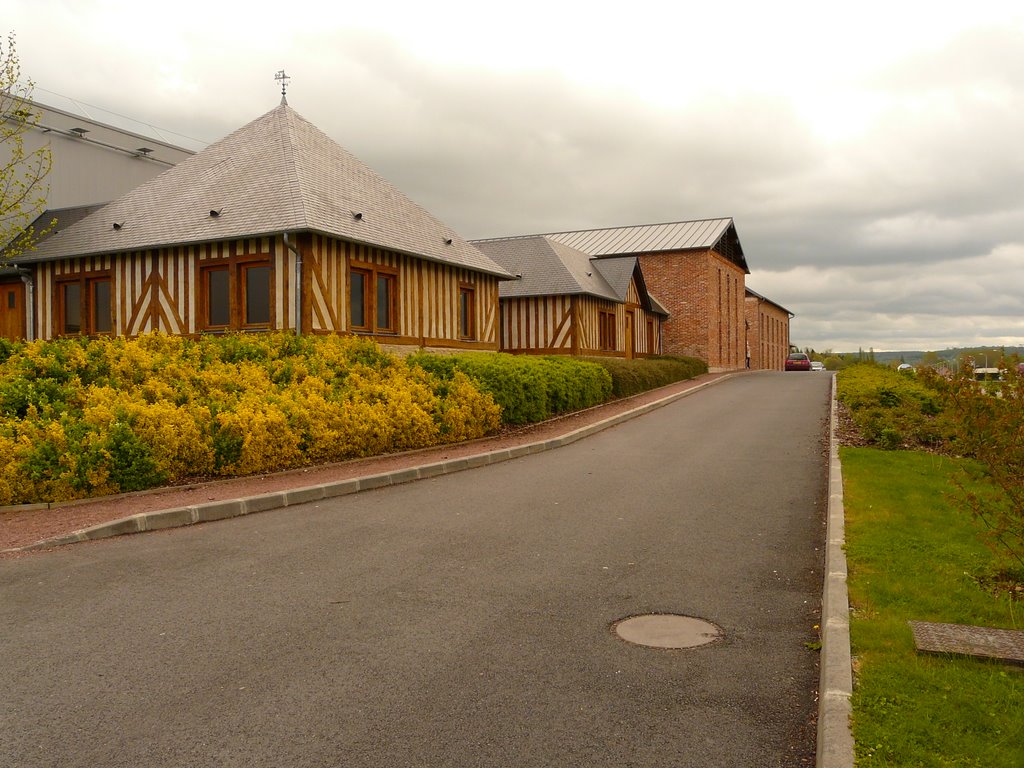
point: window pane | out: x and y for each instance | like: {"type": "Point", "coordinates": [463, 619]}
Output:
{"type": "Point", "coordinates": [465, 313]}
{"type": "Point", "coordinates": [357, 300]}
{"type": "Point", "coordinates": [72, 295]}
{"type": "Point", "coordinates": [218, 297]}
{"type": "Point", "coordinates": [257, 295]}
{"type": "Point", "coordinates": [101, 315]}
{"type": "Point", "coordinates": [384, 303]}
{"type": "Point", "coordinates": [12, 302]}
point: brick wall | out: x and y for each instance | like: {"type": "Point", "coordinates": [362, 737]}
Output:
{"type": "Point", "coordinates": [704, 293]}
{"type": "Point", "coordinates": [767, 334]}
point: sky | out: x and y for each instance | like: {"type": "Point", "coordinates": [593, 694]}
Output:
{"type": "Point", "coordinates": [871, 155]}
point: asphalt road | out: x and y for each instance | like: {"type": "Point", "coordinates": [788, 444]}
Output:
{"type": "Point", "coordinates": [458, 621]}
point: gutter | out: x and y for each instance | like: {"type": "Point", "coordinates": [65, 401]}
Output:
{"type": "Point", "coordinates": [298, 283]}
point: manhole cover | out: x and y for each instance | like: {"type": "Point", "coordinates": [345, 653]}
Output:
{"type": "Point", "coordinates": [666, 630]}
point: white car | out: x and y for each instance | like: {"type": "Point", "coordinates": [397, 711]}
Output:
{"type": "Point", "coordinates": [817, 365]}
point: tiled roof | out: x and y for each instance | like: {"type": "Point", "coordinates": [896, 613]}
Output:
{"type": "Point", "coordinates": [278, 173]}
{"type": "Point", "coordinates": [547, 268]}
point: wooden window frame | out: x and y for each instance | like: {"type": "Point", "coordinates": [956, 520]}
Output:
{"type": "Point", "coordinates": [372, 273]}
{"type": "Point", "coordinates": [607, 331]}
{"type": "Point", "coordinates": [467, 311]}
{"type": "Point", "coordinates": [86, 283]}
{"type": "Point", "coordinates": [236, 268]}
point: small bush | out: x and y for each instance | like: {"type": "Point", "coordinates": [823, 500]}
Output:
{"type": "Point", "coordinates": [631, 377]}
{"type": "Point", "coordinates": [527, 388]}
{"type": "Point", "coordinates": [893, 410]}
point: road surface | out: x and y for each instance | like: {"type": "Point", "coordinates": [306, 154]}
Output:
{"type": "Point", "coordinates": [464, 620]}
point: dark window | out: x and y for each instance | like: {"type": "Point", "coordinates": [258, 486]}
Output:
{"type": "Point", "coordinates": [102, 311]}
{"type": "Point", "coordinates": [372, 299]}
{"type": "Point", "coordinates": [606, 331]}
{"type": "Point", "coordinates": [257, 295]}
{"type": "Point", "coordinates": [12, 300]}
{"type": "Point", "coordinates": [385, 317]}
{"type": "Point", "coordinates": [357, 300]}
{"type": "Point", "coordinates": [71, 308]}
{"type": "Point", "coordinates": [85, 305]}
{"type": "Point", "coordinates": [218, 297]}
{"type": "Point", "coordinates": [238, 293]}
{"type": "Point", "coordinates": [467, 312]}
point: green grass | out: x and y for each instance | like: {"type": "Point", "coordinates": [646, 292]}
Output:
{"type": "Point", "coordinates": [911, 555]}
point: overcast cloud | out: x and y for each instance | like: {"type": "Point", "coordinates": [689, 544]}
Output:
{"type": "Point", "coordinates": [870, 156]}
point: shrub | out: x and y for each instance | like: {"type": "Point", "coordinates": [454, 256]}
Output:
{"type": "Point", "coordinates": [893, 410]}
{"type": "Point", "coordinates": [82, 418]}
{"type": "Point", "coordinates": [630, 377]}
{"type": "Point", "coordinates": [989, 428]}
{"type": "Point", "coordinates": [527, 388]}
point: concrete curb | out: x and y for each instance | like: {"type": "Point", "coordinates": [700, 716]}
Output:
{"type": "Point", "coordinates": [220, 510]}
{"type": "Point", "coordinates": [835, 739]}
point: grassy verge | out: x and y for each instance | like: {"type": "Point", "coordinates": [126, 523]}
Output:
{"type": "Point", "coordinates": [912, 556]}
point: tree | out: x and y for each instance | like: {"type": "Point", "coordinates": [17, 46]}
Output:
{"type": "Point", "coordinates": [23, 174]}
{"type": "Point", "coordinates": [989, 424]}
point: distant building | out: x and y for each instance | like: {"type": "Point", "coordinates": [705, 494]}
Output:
{"type": "Point", "coordinates": [99, 155]}
{"type": "Point", "coordinates": [767, 332]}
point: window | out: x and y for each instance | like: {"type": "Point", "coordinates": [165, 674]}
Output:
{"type": "Point", "coordinates": [372, 299]}
{"type": "Point", "coordinates": [652, 341]}
{"type": "Point", "coordinates": [467, 312]}
{"type": "Point", "coordinates": [85, 305]}
{"type": "Point", "coordinates": [237, 294]}
{"type": "Point", "coordinates": [606, 330]}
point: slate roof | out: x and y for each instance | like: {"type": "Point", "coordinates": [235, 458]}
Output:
{"type": "Point", "coordinates": [278, 173]}
{"type": "Point", "coordinates": [719, 234]}
{"type": "Point", "coordinates": [545, 267]}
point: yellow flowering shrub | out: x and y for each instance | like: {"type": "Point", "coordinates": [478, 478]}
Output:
{"type": "Point", "coordinates": [83, 417]}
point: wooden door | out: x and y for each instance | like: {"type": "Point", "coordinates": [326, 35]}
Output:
{"type": "Point", "coordinates": [12, 311]}
{"type": "Point", "coordinates": [629, 336]}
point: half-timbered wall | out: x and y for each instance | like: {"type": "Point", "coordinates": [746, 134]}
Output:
{"type": "Point", "coordinates": [427, 295]}
{"type": "Point", "coordinates": [541, 324]}
{"type": "Point", "coordinates": [571, 324]}
{"type": "Point", "coordinates": [160, 290]}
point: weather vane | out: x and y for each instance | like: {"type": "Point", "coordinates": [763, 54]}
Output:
{"type": "Point", "coordinates": [284, 84]}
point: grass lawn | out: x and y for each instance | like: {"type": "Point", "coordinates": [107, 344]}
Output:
{"type": "Point", "coordinates": [911, 555]}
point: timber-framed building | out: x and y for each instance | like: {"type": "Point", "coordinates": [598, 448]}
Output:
{"type": "Point", "coordinates": [275, 227]}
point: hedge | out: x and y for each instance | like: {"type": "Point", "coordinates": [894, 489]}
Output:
{"type": "Point", "coordinates": [85, 417]}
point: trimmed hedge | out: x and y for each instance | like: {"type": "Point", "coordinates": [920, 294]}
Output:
{"type": "Point", "coordinates": [631, 377]}
{"type": "Point", "coordinates": [528, 388]}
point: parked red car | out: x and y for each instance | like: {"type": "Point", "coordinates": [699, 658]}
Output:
{"type": "Point", "coordinates": [798, 361]}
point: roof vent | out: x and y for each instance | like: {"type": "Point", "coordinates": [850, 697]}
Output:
{"type": "Point", "coordinates": [447, 241]}
{"type": "Point", "coordinates": [80, 131]}
{"type": "Point", "coordinates": [118, 224]}
{"type": "Point", "coordinates": [357, 216]}
{"type": "Point", "coordinates": [215, 212]}
{"type": "Point", "coordinates": [144, 151]}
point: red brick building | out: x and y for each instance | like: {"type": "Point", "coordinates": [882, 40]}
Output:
{"type": "Point", "coordinates": [767, 332]}
{"type": "Point", "coordinates": [697, 270]}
